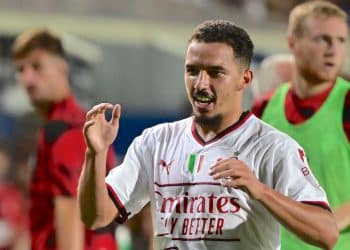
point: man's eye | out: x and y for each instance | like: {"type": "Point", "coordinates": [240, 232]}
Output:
{"type": "Point", "coordinates": [192, 72]}
{"type": "Point", "coordinates": [19, 69]}
{"type": "Point", "coordinates": [342, 40]}
{"type": "Point", "coordinates": [214, 73]}
{"type": "Point", "coordinates": [36, 66]}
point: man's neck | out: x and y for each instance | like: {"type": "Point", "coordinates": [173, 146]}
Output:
{"type": "Point", "coordinates": [207, 133]}
{"type": "Point", "coordinates": [304, 89]}
{"type": "Point", "coordinates": [44, 109]}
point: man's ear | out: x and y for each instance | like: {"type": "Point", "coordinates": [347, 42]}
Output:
{"type": "Point", "coordinates": [291, 42]}
{"type": "Point", "coordinates": [246, 78]}
{"type": "Point", "coordinates": [64, 66]}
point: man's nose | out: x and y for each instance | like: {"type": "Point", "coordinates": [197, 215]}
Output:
{"type": "Point", "coordinates": [334, 47]}
{"type": "Point", "coordinates": [26, 77]}
{"type": "Point", "coordinates": [203, 80]}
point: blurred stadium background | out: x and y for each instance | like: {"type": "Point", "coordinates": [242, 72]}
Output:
{"type": "Point", "coordinates": [127, 52]}
{"type": "Point", "coordinates": [132, 52]}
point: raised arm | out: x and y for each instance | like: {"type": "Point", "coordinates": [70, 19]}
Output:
{"type": "Point", "coordinates": [96, 207]}
{"type": "Point", "coordinates": [311, 223]}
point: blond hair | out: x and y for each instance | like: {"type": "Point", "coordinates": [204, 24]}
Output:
{"type": "Point", "coordinates": [318, 8]}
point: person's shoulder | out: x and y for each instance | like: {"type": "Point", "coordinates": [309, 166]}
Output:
{"type": "Point", "coordinates": [55, 130]}
{"type": "Point", "coordinates": [345, 86]}
{"type": "Point", "coordinates": [260, 104]}
{"type": "Point", "coordinates": [69, 149]}
{"type": "Point", "coordinates": [67, 141]}
{"type": "Point", "coordinates": [347, 101]}
{"type": "Point", "coordinates": [346, 113]}
{"type": "Point", "coordinates": [269, 135]}
{"type": "Point", "coordinates": [72, 113]}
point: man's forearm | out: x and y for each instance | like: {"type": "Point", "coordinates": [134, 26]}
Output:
{"type": "Point", "coordinates": [342, 216]}
{"type": "Point", "coordinates": [68, 227]}
{"type": "Point", "coordinates": [96, 207]}
{"type": "Point", "coordinates": [313, 224]}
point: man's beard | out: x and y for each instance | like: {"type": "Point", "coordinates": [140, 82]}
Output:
{"type": "Point", "coordinates": [316, 77]}
{"type": "Point", "coordinates": [212, 122]}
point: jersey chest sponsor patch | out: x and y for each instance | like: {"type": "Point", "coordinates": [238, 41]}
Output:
{"type": "Point", "coordinates": [190, 204]}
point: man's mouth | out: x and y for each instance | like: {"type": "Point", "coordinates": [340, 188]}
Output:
{"type": "Point", "coordinates": [204, 101]}
{"type": "Point", "coordinates": [329, 64]}
{"type": "Point", "coordinates": [30, 90]}
{"type": "Point", "coordinates": [204, 97]}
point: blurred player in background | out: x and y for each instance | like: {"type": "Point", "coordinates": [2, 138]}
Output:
{"type": "Point", "coordinates": [42, 70]}
{"type": "Point", "coordinates": [314, 108]}
{"type": "Point", "coordinates": [220, 179]}
{"type": "Point", "coordinates": [273, 71]}
{"type": "Point", "coordinates": [13, 208]}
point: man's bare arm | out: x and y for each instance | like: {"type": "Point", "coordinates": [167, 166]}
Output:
{"type": "Point", "coordinates": [69, 229]}
{"type": "Point", "coordinates": [312, 224]}
{"type": "Point", "coordinates": [342, 216]}
{"type": "Point", "coordinates": [96, 207]}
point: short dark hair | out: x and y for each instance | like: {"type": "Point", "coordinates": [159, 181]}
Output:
{"type": "Point", "coordinates": [37, 39]}
{"type": "Point", "coordinates": [221, 31]}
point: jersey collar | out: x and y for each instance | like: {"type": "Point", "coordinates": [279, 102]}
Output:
{"type": "Point", "coordinates": [244, 116]}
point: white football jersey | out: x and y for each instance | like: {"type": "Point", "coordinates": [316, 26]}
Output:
{"type": "Point", "coordinates": [169, 164]}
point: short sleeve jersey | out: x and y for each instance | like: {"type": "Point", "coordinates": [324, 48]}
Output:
{"type": "Point", "coordinates": [59, 159]}
{"type": "Point", "coordinates": [168, 165]}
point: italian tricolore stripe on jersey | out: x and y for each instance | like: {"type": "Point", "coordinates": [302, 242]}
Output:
{"type": "Point", "coordinates": [195, 163]}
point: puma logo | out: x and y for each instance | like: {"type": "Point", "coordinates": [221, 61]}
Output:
{"type": "Point", "coordinates": [165, 166]}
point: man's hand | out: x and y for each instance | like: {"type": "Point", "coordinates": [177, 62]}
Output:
{"type": "Point", "coordinates": [236, 174]}
{"type": "Point", "coordinates": [99, 133]}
